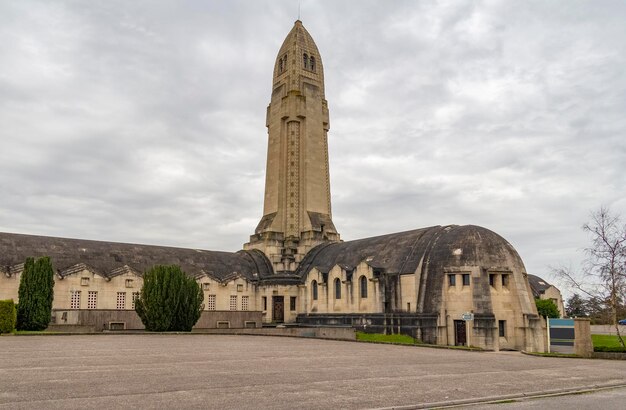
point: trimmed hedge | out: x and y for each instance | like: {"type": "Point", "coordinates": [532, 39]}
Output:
{"type": "Point", "coordinates": [8, 316]}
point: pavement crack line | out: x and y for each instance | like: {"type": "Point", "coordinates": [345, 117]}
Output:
{"type": "Point", "coordinates": [495, 399]}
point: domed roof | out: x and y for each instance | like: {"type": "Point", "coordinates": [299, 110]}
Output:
{"type": "Point", "coordinates": [430, 252]}
{"type": "Point", "coordinates": [402, 252]}
{"type": "Point", "coordinates": [297, 43]}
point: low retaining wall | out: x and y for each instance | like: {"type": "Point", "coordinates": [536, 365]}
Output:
{"type": "Point", "coordinates": [609, 355]}
{"type": "Point", "coordinates": [105, 319]}
{"type": "Point", "coordinates": [420, 326]}
{"type": "Point", "coordinates": [335, 333]}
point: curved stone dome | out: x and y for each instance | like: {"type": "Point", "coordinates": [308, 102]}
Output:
{"type": "Point", "coordinates": [431, 253]}
{"type": "Point", "coordinates": [475, 250]}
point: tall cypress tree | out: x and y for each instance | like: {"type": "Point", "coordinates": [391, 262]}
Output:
{"type": "Point", "coordinates": [35, 294]}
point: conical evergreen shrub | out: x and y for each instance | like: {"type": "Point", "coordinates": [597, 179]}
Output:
{"type": "Point", "coordinates": [36, 293]}
{"type": "Point", "coordinates": [169, 300]}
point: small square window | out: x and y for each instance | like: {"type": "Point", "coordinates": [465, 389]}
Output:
{"type": "Point", "coordinates": [466, 279]}
{"type": "Point", "coordinates": [206, 286]}
{"type": "Point", "coordinates": [210, 302]}
{"type": "Point", "coordinates": [240, 288]}
{"type": "Point", "coordinates": [452, 280]}
{"type": "Point", "coordinates": [292, 303]}
{"type": "Point", "coordinates": [505, 281]}
{"type": "Point", "coordinates": [121, 300]}
{"type": "Point", "coordinates": [84, 281]}
{"type": "Point", "coordinates": [129, 283]}
{"type": "Point", "coordinates": [502, 328]}
{"type": "Point", "coordinates": [92, 299]}
{"type": "Point", "coordinates": [492, 279]}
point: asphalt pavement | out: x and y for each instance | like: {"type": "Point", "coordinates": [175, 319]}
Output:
{"type": "Point", "coordinates": [237, 372]}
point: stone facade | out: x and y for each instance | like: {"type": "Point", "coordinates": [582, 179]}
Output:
{"type": "Point", "coordinates": [295, 269]}
{"type": "Point", "coordinates": [541, 289]}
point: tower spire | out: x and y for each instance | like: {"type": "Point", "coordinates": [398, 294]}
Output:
{"type": "Point", "coordinates": [296, 211]}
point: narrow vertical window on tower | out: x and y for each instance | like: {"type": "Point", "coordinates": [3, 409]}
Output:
{"type": "Point", "coordinates": [312, 63]}
{"type": "Point", "coordinates": [305, 60]}
{"type": "Point", "coordinates": [314, 290]}
{"type": "Point", "coordinates": [280, 65]}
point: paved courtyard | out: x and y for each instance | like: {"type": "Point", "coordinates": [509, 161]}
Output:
{"type": "Point", "coordinates": [215, 371]}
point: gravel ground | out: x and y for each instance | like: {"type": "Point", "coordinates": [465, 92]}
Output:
{"type": "Point", "coordinates": [228, 372]}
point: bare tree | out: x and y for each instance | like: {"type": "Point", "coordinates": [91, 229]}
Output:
{"type": "Point", "coordinates": [604, 270]}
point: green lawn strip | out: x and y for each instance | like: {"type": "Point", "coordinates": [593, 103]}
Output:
{"type": "Point", "coordinates": [607, 343]}
{"type": "Point", "coordinates": [404, 340]}
{"type": "Point", "coordinates": [381, 338]}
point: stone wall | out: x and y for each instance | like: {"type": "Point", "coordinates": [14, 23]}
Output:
{"type": "Point", "coordinates": [105, 319]}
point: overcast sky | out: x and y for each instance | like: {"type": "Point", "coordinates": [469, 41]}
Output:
{"type": "Point", "coordinates": [144, 121]}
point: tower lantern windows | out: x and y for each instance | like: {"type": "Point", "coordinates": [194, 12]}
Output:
{"type": "Point", "coordinates": [312, 63]}
{"type": "Point", "coordinates": [280, 65]}
{"type": "Point", "coordinates": [305, 61]}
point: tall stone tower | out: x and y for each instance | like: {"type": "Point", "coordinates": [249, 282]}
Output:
{"type": "Point", "coordinates": [296, 210]}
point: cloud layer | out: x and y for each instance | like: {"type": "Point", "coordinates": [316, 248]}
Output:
{"type": "Point", "coordinates": [144, 121]}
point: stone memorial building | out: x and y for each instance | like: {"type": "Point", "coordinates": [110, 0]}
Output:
{"type": "Point", "coordinates": [295, 268]}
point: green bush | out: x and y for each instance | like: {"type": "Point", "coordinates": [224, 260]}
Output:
{"type": "Point", "coordinates": [8, 316]}
{"type": "Point", "coordinates": [35, 294]}
{"type": "Point", "coordinates": [169, 300]}
{"type": "Point", "coordinates": [546, 307]}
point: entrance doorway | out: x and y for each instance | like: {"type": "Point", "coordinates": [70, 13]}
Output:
{"type": "Point", "coordinates": [460, 333]}
{"type": "Point", "coordinates": [278, 309]}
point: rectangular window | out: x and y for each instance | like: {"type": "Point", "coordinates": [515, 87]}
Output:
{"type": "Point", "coordinates": [84, 281]}
{"type": "Point", "coordinates": [244, 302]}
{"type": "Point", "coordinates": [264, 302]}
{"type": "Point", "coordinates": [210, 302]}
{"type": "Point", "coordinates": [233, 302]}
{"type": "Point", "coordinates": [408, 306]}
{"type": "Point", "coordinates": [92, 299]}
{"type": "Point", "coordinates": [206, 286]}
{"type": "Point", "coordinates": [292, 303]}
{"type": "Point", "coordinates": [492, 279]}
{"type": "Point", "coordinates": [505, 281]}
{"type": "Point", "coordinates": [502, 328]}
{"type": "Point", "coordinates": [75, 299]}
{"type": "Point", "coordinates": [452, 280]}
{"type": "Point", "coordinates": [466, 279]}
{"type": "Point", "coordinates": [135, 297]}
{"type": "Point", "coordinates": [129, 283]}
{"type": "Point", "coordinates": [121, 300]}
{"type": "Point", "coordinates": [240, 288]}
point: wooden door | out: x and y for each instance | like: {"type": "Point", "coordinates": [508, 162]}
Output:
{"type": "Point", "coordinates": [278, 309]}
{"type": "Point", "coordinates": [460, 333]}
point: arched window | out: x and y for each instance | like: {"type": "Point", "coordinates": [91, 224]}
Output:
{"type": "Point", "coordinates": [285, 61]}
{"type": "Point", "coordinates": [337, 288]}
{"type": "Point", "coordinates": [363, 286]}
{"type": "Point", "coordinates": [314, 290]}
{"type": "Point", "coordinates": [280, 65]}
{"type": "Point", "coordinates": [312, 63]}
{"type": "Point", "coordinates": [305, 60]}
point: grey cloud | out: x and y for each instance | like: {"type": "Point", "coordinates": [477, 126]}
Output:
{"type": "Point", "coordinates": [145, 121]}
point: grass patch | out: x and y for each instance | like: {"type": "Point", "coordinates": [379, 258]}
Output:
{"type": "Point", "coordinates": [380, 338]}
{"type": "Point", "coordinates": [33, 332]}
{"type": "Point", "coordinates": [607, 343]}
